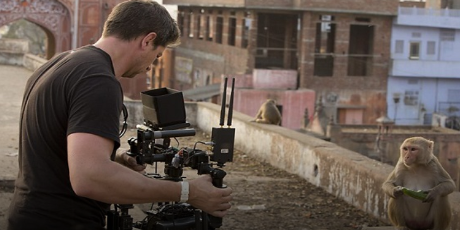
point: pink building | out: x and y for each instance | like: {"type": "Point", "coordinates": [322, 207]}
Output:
{"type": "Point", "coordinates": [252, 90]}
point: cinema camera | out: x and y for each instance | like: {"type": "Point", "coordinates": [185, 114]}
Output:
{"type": "Point", "coordinates": [164, 118]}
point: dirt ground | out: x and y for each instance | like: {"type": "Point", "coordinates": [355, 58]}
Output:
{"type": "Point", "coordinates": [268, 198]}
{"type": "Point", "coordinates": [264, 197]}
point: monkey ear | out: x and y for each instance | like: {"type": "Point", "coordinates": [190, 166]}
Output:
{"type": "Point", "coordinates": [430, 144]}
{"type": "Point", "coordinates": [429, 152]}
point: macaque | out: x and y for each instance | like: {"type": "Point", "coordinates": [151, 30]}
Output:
{"type": "Point", "coordinates": [268, 113]}
{"type": "Point", "coordinates": [418, 169]}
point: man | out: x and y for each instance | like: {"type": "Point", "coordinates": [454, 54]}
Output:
{"type": "Point", "coordinates": [69, 130]}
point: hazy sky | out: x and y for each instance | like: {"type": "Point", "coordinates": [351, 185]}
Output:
{"type": "Point", "coordinates": [171, 8]}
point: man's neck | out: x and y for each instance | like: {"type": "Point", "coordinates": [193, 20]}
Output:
{"type": "Point", "coordinates": [119, 51]}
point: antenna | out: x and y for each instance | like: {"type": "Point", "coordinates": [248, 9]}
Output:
{"type": "Point", "coordinates": [230, 106]}
{"type": "Point", "coordinates": [224, 138]}
{"type": "Point", "coordinates": [224, 101]}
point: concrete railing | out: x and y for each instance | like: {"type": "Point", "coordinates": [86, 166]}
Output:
{"type": "Point", "coordinates": [341, 172]}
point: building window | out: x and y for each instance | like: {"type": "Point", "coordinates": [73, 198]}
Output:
{"type": "Point", "coordinates": [219, 29]}
{"type": "Point", "coordinates": [209, 29]}
{"type": "Point", "coordinates": [411, 97]}
{"type": "Point", "coordinates": [431, 48]}
{"type": "Point", "coordinates": [191, 25]}
{"type": "Point", "coordinates": [199, 25]}
{"type": "Point", "coordinates": [231, 31]}
{"type": "Point", "coordinates": [245, 32]}
{"type": "Point", "coordinates": [399, 47]}
{"type": "Point", "coordinates": [180, 21]}
{"type": "Point", "coordinates": [414, 52]}
{"type": "Point", "coordinates": [324, 47]}
{"type": "Point", "coordinates": [447, 35]}
{"type": "Point", "coordinates": [360, 50]}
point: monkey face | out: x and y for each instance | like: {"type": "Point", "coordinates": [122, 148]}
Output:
{"type": "Point", "coordinates": [416, 150]}
{"type": "Point", "coordinates": [410, 154]}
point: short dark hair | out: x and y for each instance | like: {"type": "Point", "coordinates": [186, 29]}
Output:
{"type": "Point", "coordinates": [131, 19]}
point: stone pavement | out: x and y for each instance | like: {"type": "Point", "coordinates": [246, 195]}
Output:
{"type": "Point", "coordinates": [13, 80]}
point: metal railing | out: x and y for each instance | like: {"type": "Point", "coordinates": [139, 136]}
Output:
{"type": "Point", "coordinates": [428, 12]}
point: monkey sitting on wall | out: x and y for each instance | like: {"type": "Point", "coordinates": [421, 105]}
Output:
{"type": "Point", "coordinates": [268, 113]}
{"type": "Point", "coordinates": [418, 169]}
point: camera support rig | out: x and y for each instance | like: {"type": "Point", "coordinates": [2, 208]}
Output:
{"type": "Point", "coordinates": [152, 145]}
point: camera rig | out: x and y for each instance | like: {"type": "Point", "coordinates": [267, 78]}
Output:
{"type": "Point", "coordinates": [153, 145]}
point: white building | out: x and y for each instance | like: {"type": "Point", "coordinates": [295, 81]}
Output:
{"type": "Point", "coordinates": [425, 68]}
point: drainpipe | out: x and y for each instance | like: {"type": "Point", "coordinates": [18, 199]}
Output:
{"type": "Point", "coordinates": [75, 24]}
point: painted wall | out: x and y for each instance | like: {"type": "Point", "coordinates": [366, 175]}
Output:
{"type": "Point", "coordinates": [425, 93]}
{"type": "Point", "coordinates": [429, 81]}
{"type": "Point", "coordinates": [444, 50]}
{"type": "Point", "coordinates": [252, 90]}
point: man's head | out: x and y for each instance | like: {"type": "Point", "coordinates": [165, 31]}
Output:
{"type": "Point", "coordinates": [131, 19]}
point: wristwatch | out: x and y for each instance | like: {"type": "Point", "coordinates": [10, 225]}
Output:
{"type": "Point", "coordinates": [184, 192]}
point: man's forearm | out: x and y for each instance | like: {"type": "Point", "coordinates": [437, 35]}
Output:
{"type": "Point", "coordinates": [114, 183]}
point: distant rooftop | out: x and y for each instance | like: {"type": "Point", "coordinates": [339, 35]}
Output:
{"type": "Point", "coordinates": [441, 18]}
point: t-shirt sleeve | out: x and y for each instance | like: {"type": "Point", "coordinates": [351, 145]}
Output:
{"type": "Point", "coordinates": [95, 107]}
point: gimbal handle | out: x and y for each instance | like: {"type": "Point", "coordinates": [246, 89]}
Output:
{"type": "Point", "coordinates": [217, 176]}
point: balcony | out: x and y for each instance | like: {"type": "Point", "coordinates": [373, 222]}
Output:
{"type": "Point", "coordinates": [428, 69]}
{"type": "Point", "coordinates": [439, 18]}
{"type": "Point", "coordinates": [378, 7]}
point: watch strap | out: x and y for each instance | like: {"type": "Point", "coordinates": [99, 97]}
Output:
{"type": "Point", "coordinates": [184, 191]}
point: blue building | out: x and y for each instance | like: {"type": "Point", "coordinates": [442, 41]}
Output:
{"type": "Point", "coordinates": [424, 78]}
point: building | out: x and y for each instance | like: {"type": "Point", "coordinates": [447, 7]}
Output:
{"type": "Point", "coordinates": [424, 79]}
{"type": "Point", "coordinates": [339, 51]}
{"type": "Point", "coordinates": [443, 4]}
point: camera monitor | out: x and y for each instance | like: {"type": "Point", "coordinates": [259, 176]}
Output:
{"type": "Point", "coordinates": [164, 107]}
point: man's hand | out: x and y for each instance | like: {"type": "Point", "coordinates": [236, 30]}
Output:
{"type": "Point", "coordinates": [212, 200]}
{"type": "Point", "coordinates": [123, 158]}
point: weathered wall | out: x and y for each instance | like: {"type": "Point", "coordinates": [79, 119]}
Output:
{"type": "Point", "coordinates": [32, 62]}
{"type": "Point", "coordinates": [343, 173]}
{"type": "Point", "coordinates": [12, 50]}
{"type": "Point", "coordinates": [362, 139]}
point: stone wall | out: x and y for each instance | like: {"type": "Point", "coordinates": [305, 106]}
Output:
{"type": "Point", "coordinates": [32, 62]}
{"type": "Point", "coordinates": [12, 51]}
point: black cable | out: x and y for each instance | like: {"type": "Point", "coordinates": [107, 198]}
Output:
{"type": "Point", "coordinates": [125, 124]}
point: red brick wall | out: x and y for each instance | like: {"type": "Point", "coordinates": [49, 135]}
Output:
{"type": "Point", "coordinates": [370, 90]}
{"type": "Point", "coordinates": [366, 6]}
{"type": "Point", "coordinates": [205, 2]}
{"type": "Point", "coordinates": [366, 92]}
{"type": "Point", "coordinates": [210, 57]}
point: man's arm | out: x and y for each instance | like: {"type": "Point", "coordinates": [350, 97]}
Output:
{"type": "Point", "coordinates": [94, 175]}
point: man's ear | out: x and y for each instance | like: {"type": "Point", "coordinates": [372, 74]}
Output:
{"type": "Point", "coordinates": [148, 39]}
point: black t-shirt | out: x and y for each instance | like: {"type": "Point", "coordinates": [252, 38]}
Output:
{"type": "Point", "coordinates": [74, 92]}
